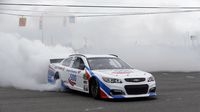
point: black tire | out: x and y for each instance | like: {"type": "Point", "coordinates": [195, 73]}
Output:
{"type": "Point", "coordinates": [56, 76]}
{"type": "Point", "coordinates": [62, 86]}
{"type": "Point", "coordinates": [94, 88]}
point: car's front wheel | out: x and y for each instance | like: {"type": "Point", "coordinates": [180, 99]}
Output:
{"type": "Point", "coordinates": [94, 89]}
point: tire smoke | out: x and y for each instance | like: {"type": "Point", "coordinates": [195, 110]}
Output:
{"type": "Point", "coordinates": [24, 62]}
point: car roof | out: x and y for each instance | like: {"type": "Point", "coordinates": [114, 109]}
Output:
{"type": "Point", "coordinates": [95, 56]}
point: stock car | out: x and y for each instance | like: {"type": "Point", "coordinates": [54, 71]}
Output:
{"type": "Point", "coordinates": [101, 76]}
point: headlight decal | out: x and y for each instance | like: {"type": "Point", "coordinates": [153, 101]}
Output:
{"type": "Point", "coordinates": [150, 79]}
{"type": "Point", "coordinates": [104, 90]}
{"type": "Point", "coordinates": [111, 80]}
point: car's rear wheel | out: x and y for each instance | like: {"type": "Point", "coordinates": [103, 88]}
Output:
{"type": "Point", "coordinates": [94, 89]}
{"type": "Point", "coordinates": [56, 76]}
{"type": "Point", "coordinates": [60, 83]}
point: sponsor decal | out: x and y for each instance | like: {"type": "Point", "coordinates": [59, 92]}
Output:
{"type": "Point", "coordinates": [86, 88]}
{"type": "Point", "coordinates": [85, 85]}
{"type": "Point", "coordinates": [72, 79]}
{"type": "Point", "coordinates": [121, 72]}
{"type": "Point", "coordinates": [60, 68]}
{"type": "Point", "coordinates": [85, 82]}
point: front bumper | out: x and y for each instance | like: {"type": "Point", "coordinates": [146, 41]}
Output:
{"type": "Point", "coordinates": [131, 90]}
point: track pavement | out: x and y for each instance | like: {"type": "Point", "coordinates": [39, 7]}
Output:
{"type": "Point", "coordinates": [177, 92]}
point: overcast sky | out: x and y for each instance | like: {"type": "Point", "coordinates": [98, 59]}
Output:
{"type": "Point", "coordinates": [145, 39]}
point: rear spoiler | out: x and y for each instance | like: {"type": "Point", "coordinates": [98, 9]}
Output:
{"type": "Point", "coordinates": [57, 60]}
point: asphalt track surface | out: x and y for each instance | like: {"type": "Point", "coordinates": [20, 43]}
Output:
{"type": "Point", "coordinates": [177, 92]}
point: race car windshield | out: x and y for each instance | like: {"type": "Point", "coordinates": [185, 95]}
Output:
{"type": "Point", "coordinates": [107, 63]}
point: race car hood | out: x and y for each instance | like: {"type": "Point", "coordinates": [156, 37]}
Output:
{"type": "Point", "coordinates": [122, 73]}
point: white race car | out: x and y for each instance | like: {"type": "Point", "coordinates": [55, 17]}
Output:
{"type": "Point", "coordinates": [102, 76]}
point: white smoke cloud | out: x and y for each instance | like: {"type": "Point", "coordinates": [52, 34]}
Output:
{"type": "Point", "coordinates": [24, 63]}
{"type": "Point", "coordinates": [149, 42]}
